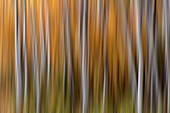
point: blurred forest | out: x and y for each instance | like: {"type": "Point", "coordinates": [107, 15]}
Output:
{"type": "Point", "coordinates": [84, 56]}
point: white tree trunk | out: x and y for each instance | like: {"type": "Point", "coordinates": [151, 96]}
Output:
{"type": "Point", "coordinates": [25, 54]}
{"type": "Point", "coordinates": [140, 59]}
{"type": "Point", "coordinates": [16, 59]}
{"type": "Point", "coordinates": [84, 74]}
{"type": "Point", "coordinates": [35, 64]}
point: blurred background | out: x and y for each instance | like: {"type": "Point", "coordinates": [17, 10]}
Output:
{"type": "Point", "coordinates": [84, 56]}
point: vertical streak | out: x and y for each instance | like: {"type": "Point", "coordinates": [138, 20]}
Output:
{"type": "Point", "coordinates": [152, 53]}
{"type": "Point", "coordinates": [104, 87]}
{"type": "Point", "coordinates": [105, 55]}
{"type": "Point", "coordinates": [151, 49]}
{"type": "Point", "coordinates": [48, 47]}
{"type": "Point", "coordinates": [83, 60]}
{"type": "Point", "coordinates": [167, 49]}
{"type": "Point", "coordinates": [1, 35]}
{"type": "Point", "coordinates": [131, 68]}
{"type": "Point", "coordinates": [63, 40]}
{"type": "Point", "coordinates": [63, 44]}
{"type": "Point", "coordinates": [25, 53]}
{"type": "Point", "coordinates": [54, 50]}
{"type": "Point", "coordinates": [42, 43]}
{"type": "Point", "coordinates": [35, 64]}
{"type": "Point", "coordinates": [68, 44]}
{"type": "Point", "coordinates": [37, 77]}
{"type": "Point", "coordinates": [79, 18]}
{"type": "Point", "coordinates": [79, 2]}
{"type": "Point", "coordinates": [139, 47]}
{"type": "Point", "coordinates": [16, 56]}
